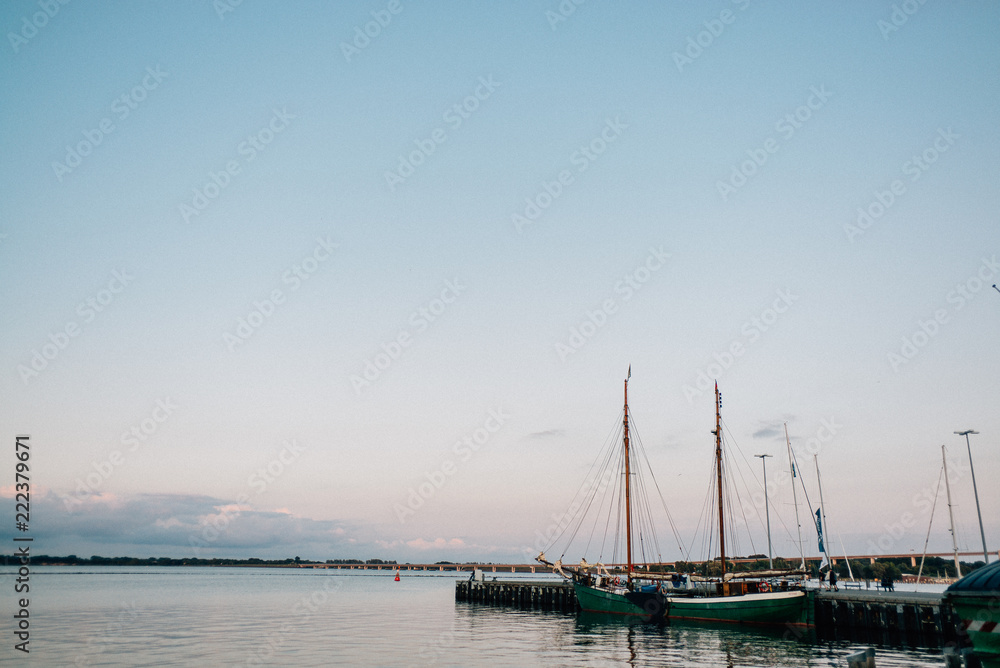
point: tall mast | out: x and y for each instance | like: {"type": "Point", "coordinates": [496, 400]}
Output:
{"type": "Point", "coordinates": [951, 517]}
{"type": "Point", "coordinates": [628, 481]}
{"type": "Point", "coordinates": [718, 467]}
{"type": "Point", "coordinates": [822, 511]}
{"type": "Point", "coordinates": [795, 500]}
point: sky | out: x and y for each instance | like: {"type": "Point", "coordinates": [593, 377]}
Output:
{"type": "Point", "coordinates": [363, 280]}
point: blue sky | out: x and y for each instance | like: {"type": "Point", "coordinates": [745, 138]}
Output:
{"type": "Point", "coordinates": [648, 185]}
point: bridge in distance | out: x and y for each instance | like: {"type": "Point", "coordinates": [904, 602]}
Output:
{"type": "Point", "coordinates": [539, 568]}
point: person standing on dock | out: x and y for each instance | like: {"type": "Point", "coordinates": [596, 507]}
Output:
{"type": "Point", "coordinates": [833, 579]}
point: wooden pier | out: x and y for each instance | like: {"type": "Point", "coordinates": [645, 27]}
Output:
{"type": "Point", "coordinates": [558, 596]}
{"type": "Point", "coordinates": [915, 619]}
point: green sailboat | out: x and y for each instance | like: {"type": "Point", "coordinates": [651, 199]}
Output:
{"type": "Point", "coordinates": [743, 598]}
{"type": "Point", "coordinates": [644, 590]}
{"type": "Point", "coordinates": [630, 593]}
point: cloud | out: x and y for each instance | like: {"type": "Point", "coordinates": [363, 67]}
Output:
{"type": "Point", "coordinates": [454, 548]}
{"type": "Point", "coordinates": [10, 491]}
{"type": "Point", "coordinates": [768, 432]}
{"type": "Point", "coordinates": [166, 524]}
{"type": "Point", "coordinates": [436, 544]}
{"type": "Point", "coordinates": [548, 433]}
{"type": "Point", "coordinates": [189, 525]}
{"type": "Point", "coordinates": [174, 525]}
{"type": "Point", "coordinates": [773, 429]}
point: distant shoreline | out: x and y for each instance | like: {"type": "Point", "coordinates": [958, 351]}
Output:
{"type": "Point", "coordinates": [931, 570]}
{"type": "Point", "coordinates": [72, 560]}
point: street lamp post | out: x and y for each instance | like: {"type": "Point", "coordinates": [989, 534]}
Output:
{"type": "Point", "coordinates": [982, 534]}
{"type": "Point", "coordinates": [767, 512]}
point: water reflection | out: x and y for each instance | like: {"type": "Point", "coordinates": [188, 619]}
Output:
{"type": "Point", "coordinates": [706, 643]}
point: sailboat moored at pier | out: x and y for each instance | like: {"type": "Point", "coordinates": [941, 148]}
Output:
{"type": "Point", "coordinates": [629, 592]}
{"type": "Point", "coordinates": [740, 597]}
{"type": "Point", "coordinates": [646, 590]}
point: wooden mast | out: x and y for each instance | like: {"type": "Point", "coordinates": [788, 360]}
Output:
{"type": "Point", "coordinates": [628, 480]}
{"type": "Point", "coordinates": [718, 465]}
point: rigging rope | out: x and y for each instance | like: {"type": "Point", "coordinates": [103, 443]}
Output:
{"type": "Point", "coordinates": [605, 494]}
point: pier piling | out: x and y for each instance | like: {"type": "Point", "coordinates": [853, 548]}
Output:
{"type": "Point", "coordinates": [556, 596]}
{"type": "Point", "coordinates": [918, 619]}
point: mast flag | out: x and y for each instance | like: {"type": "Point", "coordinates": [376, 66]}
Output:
{"type": "Point", "coordinates": [819, 531]}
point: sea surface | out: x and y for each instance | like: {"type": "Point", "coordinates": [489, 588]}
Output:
{"type": "Point", "coordinates": [180, 616]}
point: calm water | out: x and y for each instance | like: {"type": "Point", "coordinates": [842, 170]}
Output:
{"type": "Point", "coordinates": [136, 616]}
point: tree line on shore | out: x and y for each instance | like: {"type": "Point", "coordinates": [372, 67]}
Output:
{"type": "Point", "coordinates": [892, 568]}
{"type": "Point", "coordinates": [862, 569]}
{"type": "Point", "coordinates": [73, 560]}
